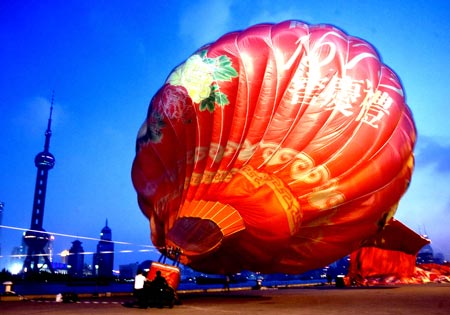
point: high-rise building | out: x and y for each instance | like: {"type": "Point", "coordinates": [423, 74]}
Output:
{"type": "Point", "coordinates": [425, 255]}
{"type": "Point", "coordinates": [36, 238]}
{"type": "Point", "coordinates": [17, 258]}
{"type": "Point", "coordinates": [76, 260]}
{"type": "Point", "coordinates": [2, 205]}
{"type": "Point", "coordinates": [103, 261]}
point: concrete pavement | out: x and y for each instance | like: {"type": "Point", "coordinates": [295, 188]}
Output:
{"type": "Point", "coordinates": [425, 299]}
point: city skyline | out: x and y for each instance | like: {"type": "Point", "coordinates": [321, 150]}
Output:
{"type": "Point", "coordinates": [16, 258]}
{"type": "Point", "coordinates": [106, 60]}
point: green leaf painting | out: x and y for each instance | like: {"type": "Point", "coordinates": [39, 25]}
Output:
{"type": "Point", "coordinates": [201, 76]}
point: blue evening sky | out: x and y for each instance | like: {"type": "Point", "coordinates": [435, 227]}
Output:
{"type": "Point", "coordinates": [106, 59]}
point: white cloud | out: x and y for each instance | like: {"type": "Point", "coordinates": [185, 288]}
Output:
{"type": "Point", "coordinates": [32, 115]}
{"type": "Point", "coordinates": [204, 22]}
{"type": "Point", "coordinates": [277, 16]}
{"type": "Point", "coordinates": [426, 207]}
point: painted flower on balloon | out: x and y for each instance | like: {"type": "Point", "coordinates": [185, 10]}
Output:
{"type": "Point", "coordinates": [194, 81]}
{"type": "Point", "coordinates": [170, 102]}
{"type": "Point", "coordinates": [200, 74]}
{"type": "Point", "coordinates": [173, 103]}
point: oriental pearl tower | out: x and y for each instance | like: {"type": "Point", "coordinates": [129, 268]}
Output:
{"type": "Point", "coordinates": [36, 238]}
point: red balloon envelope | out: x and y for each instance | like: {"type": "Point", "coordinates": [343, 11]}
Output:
{"type": "Point", "coordinates": [280, 148]}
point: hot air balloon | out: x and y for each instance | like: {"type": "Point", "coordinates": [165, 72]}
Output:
{"type": "Point", "coordinates": [279, 148]}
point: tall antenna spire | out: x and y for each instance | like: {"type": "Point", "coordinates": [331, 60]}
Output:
{"type": "Point", "coordinates": [48, 132]}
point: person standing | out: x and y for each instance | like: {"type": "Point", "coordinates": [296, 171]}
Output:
{"type": "Point", "coordinates": [139, 292]}
{"type": "Point", "coordinates": [226, 284]}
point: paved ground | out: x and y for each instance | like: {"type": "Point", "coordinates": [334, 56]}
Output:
{"type": "Point", "coordinates": [428, 299]}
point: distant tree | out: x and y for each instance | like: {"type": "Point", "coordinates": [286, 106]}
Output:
{"type": "Point", "coordinates": [5, 275]}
